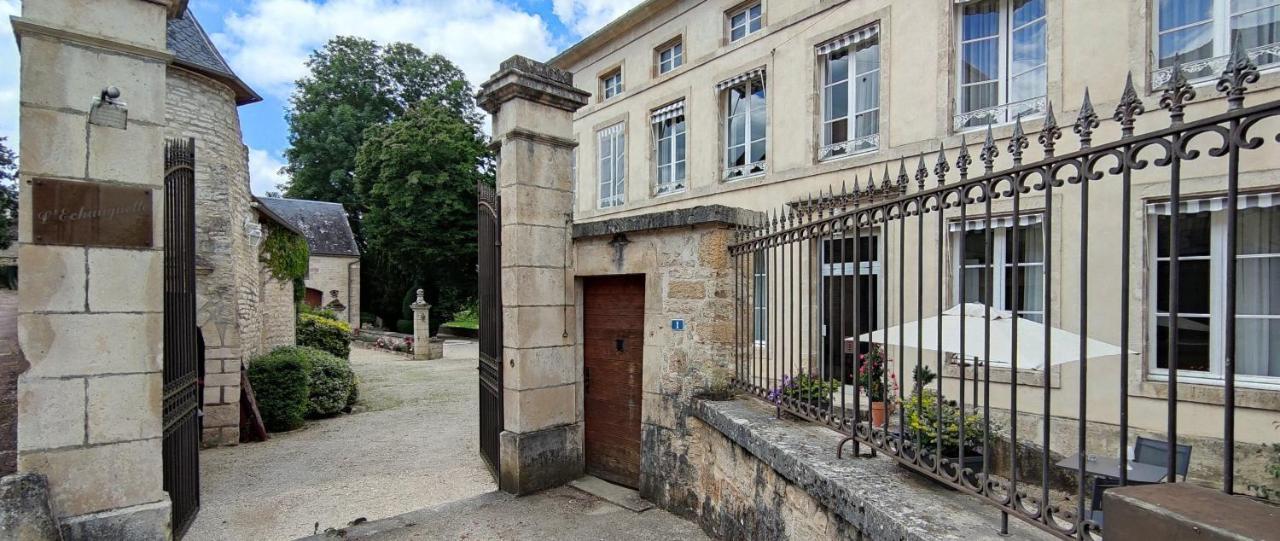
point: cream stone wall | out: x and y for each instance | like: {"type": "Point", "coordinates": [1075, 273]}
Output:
{"type": "Point", "coordinates": [279, 312]}
{"type": "Point", "coordinates": [1090, 44]}
{"type": "Point", "coordinates": [340, 273]}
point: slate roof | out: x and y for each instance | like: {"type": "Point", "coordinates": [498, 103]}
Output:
{"type": "Point", "coordinates": [192, 49]}
{"type": "Point", "coordinates": [324, 224]}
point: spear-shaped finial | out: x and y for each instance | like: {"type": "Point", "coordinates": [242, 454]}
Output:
{"type": "Point", "coordinates": [857, 185]}
{"type": "Point", "coordinates": [1240, 71]}
{"type": "Point", "coordinates": [988, 153]}
{"type": "Point", "coordinates": [964, 160]}
{"type": "Point", "coordinates": [1086, 121]}
{"type": "Point", "coordinates": [941, 167]}
{"type": "Point", "coordinates": [885, 183]}
{"type": "Point", "coordinates": [1018, 142]}
{"type": "Point", "coordinates": [1050, 132]}
{"type": "Point", "coordinates": [1129, 108]}
{"type": "Point", "coordinates": [1176, 95]}
{"type": "Point", "coordinates": [922, 173]}
{"type": "Point", "coordinates": [903, 179]}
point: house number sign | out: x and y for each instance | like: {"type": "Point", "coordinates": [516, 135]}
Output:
{"type": "Point", "coordinates": [91, 214]}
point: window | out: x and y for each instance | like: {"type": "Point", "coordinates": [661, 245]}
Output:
{"type": "Point", "coordinates": [744, 22]}
{"type": "Point", "coordinates": [850, 94]}
{"type": "Point", "coordinates": [745, 125]}
{"type": "Point", "coordinates": [1003, 72]}
{"type": "Point", "coordinates": [1202, 288]}
{"type": "Point", "coordinates": [611, 84]}
{"type": "Point", "coordinates": [612, 147]}
{"type": "Point", "coordinates": [1029, 266]}
{"type": "Point", "coordinates": [760, 296]}
{"type": "Point", "coordinates": [671, 58]}
{"type": "Point", "coordinates": [1199, 34]}
{"type": "Point", "coordinates": [669, 150]}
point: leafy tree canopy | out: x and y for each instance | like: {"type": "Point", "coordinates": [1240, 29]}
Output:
{"type": "Point", "coordinates": [8, 195]}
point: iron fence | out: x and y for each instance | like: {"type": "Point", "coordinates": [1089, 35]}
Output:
{"type": "Point", "coordinates": [831, 288]}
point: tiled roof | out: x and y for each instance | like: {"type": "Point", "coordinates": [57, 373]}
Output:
{"type": "Point", "coordinates": [324, 224]}
{"type": "Point", "coordinates": [192, 49]}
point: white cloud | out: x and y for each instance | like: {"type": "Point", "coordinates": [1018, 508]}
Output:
{"type": "Point", "coordinates": [9, 66]}
{"type": "Point", "coordinates": [586, 16]}
{"type": "Point", "coordinates": [268, 43]}
{"type": "Point", "coordinates": [264, 172]}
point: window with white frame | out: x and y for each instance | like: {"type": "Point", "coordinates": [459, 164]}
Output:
{"type": "Point", "coordinates": [745, 124]}
{"type": "Point", "coordinates": [611, 145]}
{"type": "Point", "coordinates": [850, 93]}
{"type": "Point", "coordinates": [1021, 262]}
{"type": "Point", "coordinates": [669, 147]}
{"type": "Point", "coordinates": [1202, 288]}
{"type": "Point", "coordinates": [671, 57]}
{"type": "Point", "coordinates": [611, 84]}
{"type": "Point", "coordinates": [760, 296]}
{"type": "Point", "coordinates": [745, 21]}
{"type": "Point", "coordinates": [1002, 53]}
{"type": "Point", "coordinates": [1198, 34]}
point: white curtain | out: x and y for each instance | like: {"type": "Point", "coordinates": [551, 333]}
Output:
{"type": "Point", "coordinates": [1258, 292]}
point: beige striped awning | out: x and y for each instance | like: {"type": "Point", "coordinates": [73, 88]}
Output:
{"type": "Point", "coordinates": [757, 73]}
{"type": "Point", "coordinates": [849, 39]}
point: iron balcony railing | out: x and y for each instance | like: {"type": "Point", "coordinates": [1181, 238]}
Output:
{"type": "Point", "coordinates": [842, 303]}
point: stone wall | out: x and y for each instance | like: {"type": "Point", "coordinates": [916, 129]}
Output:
{"type": "Point", "coordinates": [227, 287]}
{"type": "Point", "coordinates": [279, 312]}
{"type": "Point", "coordinates": [336, 273]}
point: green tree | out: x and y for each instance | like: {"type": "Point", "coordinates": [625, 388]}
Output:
{"type": "Point", "coordinates": [417, 177]}
{"type": "Point", "coordinates": [8, 195]}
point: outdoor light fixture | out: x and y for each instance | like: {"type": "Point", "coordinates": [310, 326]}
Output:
{"type": "Point", "coordinates": [108, 111]}
{"type": "Point", "coordinates": [254, 230]}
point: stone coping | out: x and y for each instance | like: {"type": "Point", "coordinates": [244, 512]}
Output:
{"type": "Point", "coordinates": [880, 499]}
{"type": "Point", "coordinates": [706, 214]}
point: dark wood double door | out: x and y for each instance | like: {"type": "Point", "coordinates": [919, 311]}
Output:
{"type": "Point", "coordinates": [613, 349]}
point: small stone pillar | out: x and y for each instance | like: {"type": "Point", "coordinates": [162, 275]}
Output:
{"type": "Point", "coordinates": [424, 348]}
{"type": "Point", "coordinates": [532, 106]}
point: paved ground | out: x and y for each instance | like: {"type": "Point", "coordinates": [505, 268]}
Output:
{"type": "Point", "coordinates": [409, 453]}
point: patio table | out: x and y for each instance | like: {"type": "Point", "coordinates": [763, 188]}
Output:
{"type": "Point", "coordinates": [1110, 467]}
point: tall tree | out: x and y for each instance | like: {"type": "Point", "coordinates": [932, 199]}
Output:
{"type": "Point", "coordinates": [417, 177]}
{"type": "Point", "coordinates": [8, 195]}
{"type": "Point", "coordinates": [355, 84]}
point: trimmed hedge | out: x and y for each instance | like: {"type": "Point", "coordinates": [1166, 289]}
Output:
{"type": "Point", "coordinates": [331, 383]}
{"type": "Point", "coordinates": [324, 334]}
{"type": "Point", "coordinates": [281, 385]}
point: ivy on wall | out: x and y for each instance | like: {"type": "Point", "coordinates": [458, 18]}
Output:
{"type": "Point", "coordinates": [286, 254]}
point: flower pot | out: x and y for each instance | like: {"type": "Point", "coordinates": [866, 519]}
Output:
{"type": "Point", "coordinates": [879, 412]}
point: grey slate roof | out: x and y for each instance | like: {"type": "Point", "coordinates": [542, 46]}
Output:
{"type": "Point", "coordinates": [192, 49]}
{"type": "Point", "coordinates": [324, 224]}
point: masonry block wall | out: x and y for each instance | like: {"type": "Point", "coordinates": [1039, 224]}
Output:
{"type": "Point", "coordinates": [335, 273]}
{"type": "Point", "coordinates": [90, 319]}
{"type": "Point", "coordinates": [227, 283]}
{"type": "Point", "coordinates": [279, 320]}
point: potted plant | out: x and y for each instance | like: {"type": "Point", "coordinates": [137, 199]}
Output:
{"type": "Point", "coordinates": [879, 388]}
{"type": "Point", "coordinates": [926, 428]}
{"type": "Point", "coordinates": [806, 389]}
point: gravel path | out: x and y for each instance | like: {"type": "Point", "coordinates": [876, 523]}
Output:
{"type": "Point", "coordinates": [410, 444]}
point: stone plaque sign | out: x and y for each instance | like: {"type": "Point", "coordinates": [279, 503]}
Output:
{"type": "Point", "coordinates": [91, 214]}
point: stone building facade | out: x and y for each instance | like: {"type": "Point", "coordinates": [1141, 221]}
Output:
{"type": "Point", "coordinates": [333, 278]}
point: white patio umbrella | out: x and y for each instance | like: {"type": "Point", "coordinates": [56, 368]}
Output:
{"type": "Point", "coordinates": [1064, 346]}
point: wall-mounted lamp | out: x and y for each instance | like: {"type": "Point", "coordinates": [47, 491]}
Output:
{"type": "Point", "coordinates": [254, 230]}
{"type": "Point", "coordinates": [108, 111]}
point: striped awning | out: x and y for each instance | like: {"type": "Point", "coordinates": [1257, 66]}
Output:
{"type": "Point", "coordinates": [757, 73]}
{"type": "Point", "coordinates": [850, 39]}
{"type": "Point", "coordinates": [668, 112]}
{"type": "Point", "coordinates": [1215, 204]}
{"type": "Point", "coordinates": [611, 130]}
{"type": "Point", "coordinates": [1004, 222]}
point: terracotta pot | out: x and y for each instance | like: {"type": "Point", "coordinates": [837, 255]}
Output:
{"type": "Point", "coordinates": [879, 411]}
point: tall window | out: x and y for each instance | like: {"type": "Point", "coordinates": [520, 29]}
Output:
{"type": "Point", "coordinates": [1003, 71]}
{"type": "Point", "coordinates": [745, 21]}
{"type": "Point", "coordinates": [745, 125]}
{"type": "Point", "coordinates": [611, 84]}
{"type": "Point", "coordinates": [671, 57]}
{"type": "Point", "coordinates": [760, 296]}
{"type": "Point", "coordinates": [1200, 33]}
{"type": "Point", "coordinates": [669, 150]}
{"type": "Point", "coordinates": [611, 145]}
{"type": "Point", "coordinates": [1025, 259]}
{"type": "Point", "coordinates": [1202, 288]}
{"type": "Point", "coordinates": [851, 93]}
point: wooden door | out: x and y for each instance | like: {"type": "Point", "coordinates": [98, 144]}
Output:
{"type": "Point", "coordinates": [613, 339]}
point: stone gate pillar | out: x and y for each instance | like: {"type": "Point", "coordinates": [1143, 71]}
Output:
{"type": "Point", "coordinates": [90, 307]}
{"type": "Point", "coordinates": [532, 106]}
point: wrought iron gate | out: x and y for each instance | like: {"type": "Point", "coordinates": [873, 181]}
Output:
{"type": "Point", "coordinates": [181, 402]}
{"type": "Point", "coordinates": [489, 243]}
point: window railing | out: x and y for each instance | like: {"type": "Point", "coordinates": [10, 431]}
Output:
{"type": "Point", "coordinates": [874, 354]}
{"type": "Point", "coordinates": [866, 143]}
{"type": "Point", "coordinates": [744, 171]}
{"type": "Point", "coordinates": [1211, 67]}
{"type": "Point", "coordinates": [1001, 114]}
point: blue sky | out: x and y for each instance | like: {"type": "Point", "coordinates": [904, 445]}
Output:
{"type": "Point", "coordinates": [267, 41]}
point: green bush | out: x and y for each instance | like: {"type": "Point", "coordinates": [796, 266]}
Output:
{"type": "Point", "coordinates": [404, 326]}
{"type": "Point", "coordinates": [325, 334]}
{"type": "Point", "coordinates": [280, 384]}
{"type": "Point", "coordinates": [304, 308]}
{"type": "Point", "coordinates": [330, 384]}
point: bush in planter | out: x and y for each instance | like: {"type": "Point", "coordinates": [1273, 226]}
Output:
{"type": "Point", "coordinates": [280, 385]}
{"type": "Point", "coordinates": [325, 334]}
{"type": "Point", "coordinates": [331, 384]}
{"type": "Point", "coordinates": [806, 389]}
{"type": "Point", "coordinates": [923, 425]}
